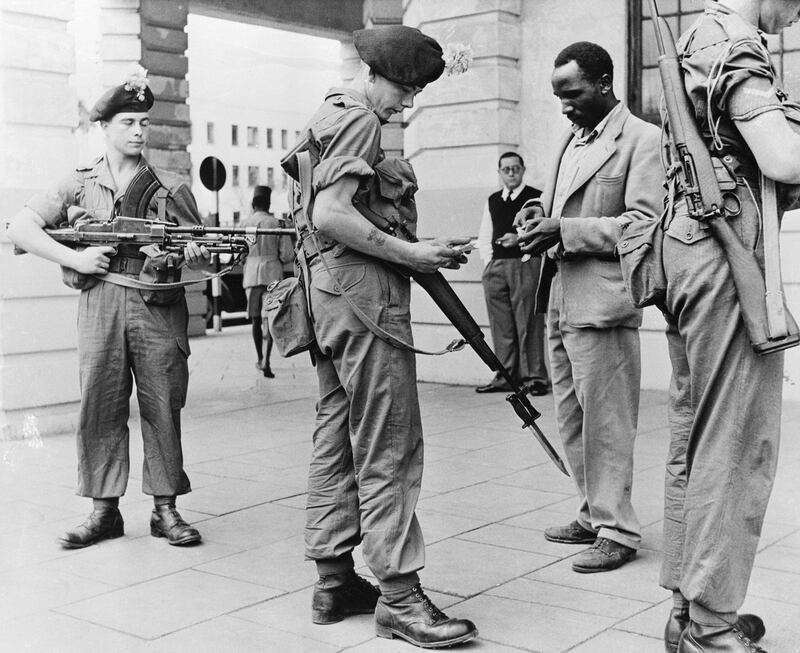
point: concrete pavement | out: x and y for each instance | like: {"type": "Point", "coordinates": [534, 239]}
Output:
{"type": "Point", "coordinates": [488, 493]}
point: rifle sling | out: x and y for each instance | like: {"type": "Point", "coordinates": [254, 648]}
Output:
{"type": "Point", "coordinates": [304, 172]}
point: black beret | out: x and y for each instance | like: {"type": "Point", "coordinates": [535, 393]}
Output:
{"type": "Point", "coordinates": [401, 54]}
{"type": "Point", "coordinates": [134, 96]}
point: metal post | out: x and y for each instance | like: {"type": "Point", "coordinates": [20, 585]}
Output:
{"type": "Point", "coordinates": [216, 284]}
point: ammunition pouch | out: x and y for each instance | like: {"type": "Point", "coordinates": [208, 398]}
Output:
{"type": "Point", "coordinates": [641, 259]}
{"type": "Point", "coordinates": [286, 308]}
{"type": "Point", "coordinates": [387, 199]}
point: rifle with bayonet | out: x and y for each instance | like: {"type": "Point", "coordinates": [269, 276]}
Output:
{"type": "Point", "coordinates": [707, 203]}
{"type": "Point", "coordinates": [445, 298]}
{"type": "Point", "coordinates": [141, 232]}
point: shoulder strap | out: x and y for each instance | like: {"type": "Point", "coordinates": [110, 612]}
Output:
{"type": "Point", "coordinates": [133, 282]}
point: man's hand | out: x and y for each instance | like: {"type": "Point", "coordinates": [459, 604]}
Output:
{"type": "Point", "coordinates": [529, 211]}
{"type": "Point", "coordinates": [430, 255]}
{"type": "Point", "coordinates": [197, 257]}
{"type": "Point", "coordinates": [507, 240]}
{"type": "Point", "coordinates": [93, 260]}
{"type": "Point", "coordinates": [537, 231]}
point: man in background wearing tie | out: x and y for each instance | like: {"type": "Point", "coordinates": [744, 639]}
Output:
{"type": "Point", "coordinates": [509, 284]}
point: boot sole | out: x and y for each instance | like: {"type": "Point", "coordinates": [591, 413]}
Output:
{"type": "Point", "coordinates": [324, 618]}
{"type": "Point", "coordinates": [66, 544]}
{"type": "Point", "coordinates": [596, 570]}
{"type": "Point", "coordinates": [389, 633]}
{"type": "Point", "coordinates": [186, 541]}
{"type": "Point", "coordinates": [563, 540]}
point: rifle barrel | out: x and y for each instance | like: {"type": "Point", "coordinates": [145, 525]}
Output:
{"type": "Point", "coordinates": [656, 21]}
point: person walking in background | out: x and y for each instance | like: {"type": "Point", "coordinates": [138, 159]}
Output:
{"type": "Point", "coordinates": [607, 174]}
{"type": "Point", "coordinates": [262, 266]}
{"type": "Point", "coordinates": [509, 284]}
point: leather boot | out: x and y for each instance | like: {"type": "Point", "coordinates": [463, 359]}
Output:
{"type": "Point", "coordinates": [413, 616]}
{"type": "Point", "coordinates": [167, 522]}
{"type": "Point", "coordinates": [698, 638]}
{"type": "Point", "coordinates": [750, 625]}
{"type": "Point", "coordinates": [102, 524]}
{"type": "Point", "coordinates": [339, 595]}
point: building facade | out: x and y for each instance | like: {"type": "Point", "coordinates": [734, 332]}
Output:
{"type": "Point", "coordinates": [452, 136]}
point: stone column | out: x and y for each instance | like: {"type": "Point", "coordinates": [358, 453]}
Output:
{"type": "Point", "coordinates": [38, 116]}
{"type": "Point", "coordinates": [454, 135]}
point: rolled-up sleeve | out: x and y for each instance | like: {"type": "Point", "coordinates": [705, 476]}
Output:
{"type": "Point", "coordinates": [52, 204]}
{"type": "Point", "coordinates": [744, 86]}
{"type": "Point", "coordinates": [351, 150]}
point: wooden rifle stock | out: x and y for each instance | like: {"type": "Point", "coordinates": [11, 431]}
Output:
{"type": "Point", "coordinates": [706, 202]}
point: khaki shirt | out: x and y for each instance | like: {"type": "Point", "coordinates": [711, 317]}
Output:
{"type": "Point", "coordinates": [93, 188]}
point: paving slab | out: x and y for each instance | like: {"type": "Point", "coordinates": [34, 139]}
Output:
{"type": "Point", "coordinates": [488, 494]}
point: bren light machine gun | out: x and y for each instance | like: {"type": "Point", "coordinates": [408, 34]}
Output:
{"type": "Point", "coordinates": [169, 237]}
{"type": "Point", "coordinates": [769, 324]}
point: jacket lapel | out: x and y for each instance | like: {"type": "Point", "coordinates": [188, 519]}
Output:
{"type": "Point", "coordinates": [600, 151]}
{"type": "Point", "coordinates": [550, 186]}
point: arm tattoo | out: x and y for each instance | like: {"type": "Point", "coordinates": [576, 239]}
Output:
{"type": "Point", "coordinates": [377, 236]}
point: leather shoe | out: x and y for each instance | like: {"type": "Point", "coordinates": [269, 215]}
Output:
{"type": "Point", "coordinates": [538, 388]}
{"type": "Point", "coordinates": [167, 522]}
{"type": "Point", "coordinates": [750, 625]}
{"type": "Point", "coordinates": [572, 533]}
{"type": "Point", "coordinates": [716, 639]}
{"type": "Point", "coordinates": [339, 595]}
{"type": "Point", "coordinates": [101, 525]}
{"type": "Point", "coordinates": [412, 616]}
{"type": "Point", "coordinates": [603, 555]}
{"type": "Point", "coordinates": [494, 386]}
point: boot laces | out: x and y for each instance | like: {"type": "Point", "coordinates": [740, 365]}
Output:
{"type": "Point", "coordinates": [749, 644]}
{"type": "Point", "coordinates": [427, 604]}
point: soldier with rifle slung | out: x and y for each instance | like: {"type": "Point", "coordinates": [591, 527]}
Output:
{"type": "Point", "coordinates": [725, 399]}
{"type": "Point", "coordinates": [124, 331]}
{"type": "Point", "coordinates": [366, 464]}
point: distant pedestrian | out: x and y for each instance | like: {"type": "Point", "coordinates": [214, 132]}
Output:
{"type": "Point", "coordinates": [262, 266]}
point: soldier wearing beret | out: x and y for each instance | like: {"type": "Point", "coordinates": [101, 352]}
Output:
{"type": "Point", "coordinates": [123, 332]}
{"type": "Point", "coordinates": [366, 465]}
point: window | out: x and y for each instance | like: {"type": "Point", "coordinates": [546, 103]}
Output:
{"type": "Point", "coordinates": [644, 90]}
{"type": "Point", "coordinates": [284, 180]}
{"type": "Point", "coordinates": [236, 217]}
{"type": "Point", "coordinates": [269, 138]}
{"type": "Point", "coordinates": [252, 175]}
{"type": "Point", "coordinates": [234, 134]}
{"type": "Point", "coordinates": [252, 137]}
{"type": "Point", "coordinates": [297, 134]}
{"type": "Point", "coordinates": [234, 175]}
{"type": "Point", "coordinates": [210, 133]}
{"type": "Point", "coordinates": [284, 139]}
{"type": "Point", "coordinates": [271, 177]}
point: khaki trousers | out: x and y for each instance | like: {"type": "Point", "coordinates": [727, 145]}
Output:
{"type": "Point", "coordinates": [366, 465]}
{"type": "Point", "coordinates": [724, 413]}
{"type": "Point", "coordinates": [596, 375]}
{"type": "Point", "coordinates": [120, 337]}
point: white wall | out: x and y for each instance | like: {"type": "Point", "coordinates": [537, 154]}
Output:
{"type": "Point", "coordinates": [249, 75]}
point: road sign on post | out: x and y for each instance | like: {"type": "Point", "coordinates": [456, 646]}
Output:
{"type": "Point", "coordinates": [212, 175]}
